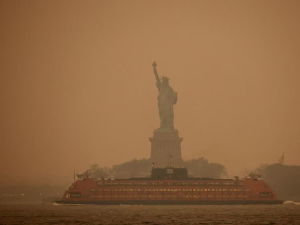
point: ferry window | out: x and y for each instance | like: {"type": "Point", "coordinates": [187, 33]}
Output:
{"type": "Point", "coordinates": [144, 183]}
{"type": "Point", "coordinates": [226, 183]}
{"type": "Point", "coordinates": [217, 184]}
{"type": "Point", "coordinates": [225, 189]}
{"type": "Point", "coordinates": [240, 183]}
{"type": "Point", "coordinates": [75, 194]}
{"type": "Point", "coordinates": [196, 184]}
{"type": "Point", "coordinates": [211, 184]}
{"type": "Point", "coordinates": [265, 194]}
{"type": "Point", "coordinates": [99, 183]}
{"type": "Point", "coordinates": [247, 190]}
{"type": "Point", "coordinates": [232, 183]}
{"type": "Point", "coordinates": [129, 184]}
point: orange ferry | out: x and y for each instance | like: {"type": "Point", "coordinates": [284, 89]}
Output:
{"type": "Point", "coordinates": [169, 186]}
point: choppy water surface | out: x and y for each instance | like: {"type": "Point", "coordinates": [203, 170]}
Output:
{"type": "Point", "coordinates": [37, 213]}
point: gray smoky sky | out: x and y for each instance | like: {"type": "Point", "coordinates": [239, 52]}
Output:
{"type": "Point", "coordinates": [77, 86]}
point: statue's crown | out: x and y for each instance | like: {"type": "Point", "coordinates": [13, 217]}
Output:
{"type": "Point", "coordinates": [165, 78]}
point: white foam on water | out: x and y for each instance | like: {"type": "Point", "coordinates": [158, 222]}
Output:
{"type": "Point", "coordinates": [291, 203]}
{"type": "Point", "coordinates": [55, 203]}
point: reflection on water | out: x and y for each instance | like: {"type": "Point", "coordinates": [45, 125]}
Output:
{"type": "Point", "coordinates": [36, 213]}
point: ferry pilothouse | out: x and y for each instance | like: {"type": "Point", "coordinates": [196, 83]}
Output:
{"type": "Point", "coordinates": [169, 186]}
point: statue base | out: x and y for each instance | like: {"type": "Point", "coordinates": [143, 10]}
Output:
{"type": "Point", "coordinates": [166, 148]}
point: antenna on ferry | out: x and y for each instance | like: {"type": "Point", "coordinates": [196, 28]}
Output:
{"type": "Point", "coordinates": [170, 162]}
{"type": "Point", "coordinates": [281, 160]}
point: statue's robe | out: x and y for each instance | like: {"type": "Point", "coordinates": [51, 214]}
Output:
{"type": "Point", "coordinates": [166, 99]}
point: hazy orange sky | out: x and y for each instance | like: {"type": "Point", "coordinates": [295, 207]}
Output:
{"type": "Point", "coordinates": [77, 85]}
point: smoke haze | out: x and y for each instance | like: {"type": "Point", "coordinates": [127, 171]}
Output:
{"type": "Point", "coordinates": [77, 86]}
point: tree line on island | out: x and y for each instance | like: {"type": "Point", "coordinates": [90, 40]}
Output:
{"type": "Point", "coordinates": [142, 168]}
{"type": "Point", "coordinates": [284, 179]}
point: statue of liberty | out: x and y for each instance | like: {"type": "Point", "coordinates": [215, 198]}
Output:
{"type": "Point", "coordinates": [166, 99]}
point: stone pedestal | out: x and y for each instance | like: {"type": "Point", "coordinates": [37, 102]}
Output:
{"type": "Point", "coordinates": [166, 148]}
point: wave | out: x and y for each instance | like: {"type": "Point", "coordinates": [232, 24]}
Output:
{"type": "Point", "coordinates": [291, 203]}
{"type": "Point", "coordinates": [55, 203]}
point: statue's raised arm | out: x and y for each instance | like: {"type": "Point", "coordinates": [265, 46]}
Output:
{"type": "Point", "coordinates": [158, 82]}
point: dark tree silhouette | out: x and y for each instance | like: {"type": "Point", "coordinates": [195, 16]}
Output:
{"type": "Point", "coordinates": [142, 167]}
{"type": "Point", "coordinates": [202, 168]}
{"type": "Point", "coordinates": [285, 180]}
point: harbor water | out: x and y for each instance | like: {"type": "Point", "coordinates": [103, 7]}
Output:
{"type": "Point", "coordinates": [39, 213]}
